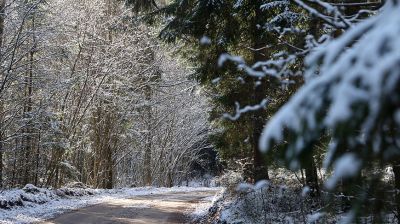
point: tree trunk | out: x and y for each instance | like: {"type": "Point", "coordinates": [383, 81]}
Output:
{"type": "Point", "coordinates": [2, 5]}
{"type": "Point", "coordinates": [28, 130]}
{"type": "Point", "coordinates": [14, 163]}
{"type": "Point", "coordinates": [396, 172]}
{"type": "Point", "coordinates": [148, 144]}
{"type": "Point", "coordinates": [260, 163]}
{"type": "Point", "coordinates": [1, 157]}
{"type": "Point", "coordinates": [312, 177]}
{"type": "Point", "coordinates": [109, 171]}
{"type": "Point", "coordinates": [37, 160]}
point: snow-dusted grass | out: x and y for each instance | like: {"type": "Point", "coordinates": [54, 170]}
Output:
{"type": "Point", "coordinates": [47, 203]}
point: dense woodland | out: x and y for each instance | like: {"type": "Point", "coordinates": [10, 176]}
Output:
{"type": "Point", "coordinates": [89, 94]}
{"type": "Point", "coordinates": [133, 93]}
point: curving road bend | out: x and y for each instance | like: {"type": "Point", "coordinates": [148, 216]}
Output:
{"type": "Point", "coordinates": [163, 208]}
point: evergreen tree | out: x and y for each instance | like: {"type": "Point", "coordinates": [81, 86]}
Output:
{"type": "Point", "coordinates": [352, 96]}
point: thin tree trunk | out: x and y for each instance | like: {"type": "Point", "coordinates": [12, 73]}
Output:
{"type": "Point", "coordinates": [147, 153]}
{"type": "Point", "coordinates": [2, 6]}
{"type": "Point", "coordinates": [28, 110]}
{"type": "Point", "coordinates": [37, 160]}
{"type": "Point", "coordinates": [14, 163]}
{"type": "Point", "coordinates": [109, 169]}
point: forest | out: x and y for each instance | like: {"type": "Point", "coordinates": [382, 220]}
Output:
{"type": "Point", "coordinates": [282, 111]}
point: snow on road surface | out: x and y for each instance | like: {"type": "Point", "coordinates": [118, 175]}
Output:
{"type": "Point", "coordinates": [34, 213]}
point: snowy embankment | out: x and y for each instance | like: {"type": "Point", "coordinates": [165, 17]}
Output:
{"type": "Point", "coordinates": [32, 204]}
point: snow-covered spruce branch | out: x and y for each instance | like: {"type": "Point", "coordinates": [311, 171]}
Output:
{"type": "Point", "coordinates": [274, 67]}
{"type": "Point", "coordinates": [359, 71]}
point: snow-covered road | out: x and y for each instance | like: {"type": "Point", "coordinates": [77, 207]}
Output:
{"type": "Point", "coordinates": [117, 205]}
{"type": "Point", "coordinates": [166, 208]}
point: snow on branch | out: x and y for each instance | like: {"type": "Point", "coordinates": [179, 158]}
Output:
{"type": "Point", "coordinates": [276, 67]}
{"type": "Point", "coordinates": [332, 17]}
{"type": "Point", "coordinates": [240, 111]}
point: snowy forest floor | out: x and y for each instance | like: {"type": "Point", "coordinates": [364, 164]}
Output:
{"type": "Point", "coordinates": [283, 199]}
{"type": "Point", "coordinates": [128, 205]}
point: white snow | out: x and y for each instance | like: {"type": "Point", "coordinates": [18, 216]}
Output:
{"type": "Point", "coordinates": [348, 218]}
{"type": "Point", "coordinates": [315, 217]}
{"type": "Point", "coordinates": [274, 4]}
{"type": "Point", "coordinates": [205, 40]}
{"type": "Point", "coordinates": [244, 187]}
{"type": "Point", "coordinates": [305, 191]}
{"type": "Point", "coordinates": [238, 4]}
{"type": "Point", "coordinates": [216, 80]}
{"type": "Point", "coordinates": [261, 184]}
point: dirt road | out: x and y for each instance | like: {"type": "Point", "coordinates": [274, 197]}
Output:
{"type": "Point", "coordinates": [164, 208]}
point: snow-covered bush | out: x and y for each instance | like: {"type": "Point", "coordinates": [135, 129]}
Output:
{"type": "Point", "coordinates": [76, 191]}
{"type": "Point", "coordinates": [32, 194]}
{"type": "Point", "coordinates": [10, 199]}
{"type": "Point", "coordinates": [265, 203]}
{"type": "Point", "coordinates": [30, 188]}
{"type": "Point", "coordinates": [28, 194]}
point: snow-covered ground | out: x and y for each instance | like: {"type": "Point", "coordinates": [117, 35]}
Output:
{"type": "Point", "coordinates": [40, 204]}
{"type": "Point", "coordinates": [202, 208]}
